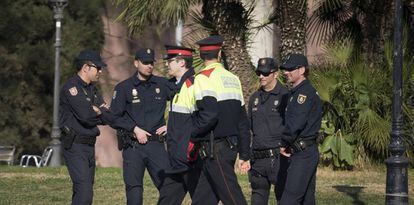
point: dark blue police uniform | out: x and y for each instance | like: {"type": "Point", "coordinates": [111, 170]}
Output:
{"type": "Point", "coordinates": [142, 103]}
{"type": "Point", "coordinates": [266, 115]}
{"type": "Point", "coordinates": [78, 122]}
{"type": "Point", "coordinates": [303, 121]}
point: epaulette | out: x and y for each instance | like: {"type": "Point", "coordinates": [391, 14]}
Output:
{"type": "Point", "coordinates": [207, 72]}
{"type": "Point", "coordinates": [189, 82]}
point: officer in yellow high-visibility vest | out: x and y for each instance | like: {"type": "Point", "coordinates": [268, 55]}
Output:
{"type": "Point", "coordinates": [183, 174]}
{"type": "Point", "coordinates": [220, 127]}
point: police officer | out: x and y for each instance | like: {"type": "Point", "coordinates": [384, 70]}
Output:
{"type": "Point", "coordinates": [220, 127]}
{"type": "Point", "coordinates": [303, 121]}
{"type": "Point", "coordinates": [266, 114]}
{"type": "Point", "coordinates": [183, 175]}
{"type": "Point", "coordinates": [81, 110]}
{"type": "Point", "coordinates": [138, 105]}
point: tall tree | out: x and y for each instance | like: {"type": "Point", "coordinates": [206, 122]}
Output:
{"type": "Point", "coordinates": [27, 56]}
{"type": "Point", "coordinates": [291, 17]}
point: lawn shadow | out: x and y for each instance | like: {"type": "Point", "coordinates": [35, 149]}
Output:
{"type": "Point", "coordinates": [352, 191]}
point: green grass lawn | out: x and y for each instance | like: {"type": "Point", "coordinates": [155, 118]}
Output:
{"type": "Point", "coordinates": [52, 186]}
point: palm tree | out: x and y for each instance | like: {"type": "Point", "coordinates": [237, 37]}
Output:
{"type": "Point", "coordinates": [228, 18]}
{"type": "Point", "coordinates": [291, 17]}
{"type": "Point", "coordinates": [367, 23]}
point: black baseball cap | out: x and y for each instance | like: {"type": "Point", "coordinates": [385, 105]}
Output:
{"type": "Point", "coordinates": [266, 65]}
{"type": "Point", "coordinates": [145, 55]}
{"type": "Point", "coordinates": [93, 56]}
{"type": "Point", "coordinates": [294, 61]}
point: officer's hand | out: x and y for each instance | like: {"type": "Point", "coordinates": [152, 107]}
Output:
{"type": "Point", "coordinates": [244, 166]}
{"type": "Point", "coordinates": [104, 105]}
{"type": "Point", "coordinates": [161, 131]}
{"type": "Point", "coordinates": [285, 152]}
{"type": "Point", "coordinates": [97, 110]}
{"type": "Point", "coordinates": [141, 135]}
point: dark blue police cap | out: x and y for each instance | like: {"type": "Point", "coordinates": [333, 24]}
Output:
{"type": "Point", "coordinates": [175, 51]}
{"type": "Point", "coordinates": [266, 65]}
{"type": "Point", "coordinates": [294, 61]}
{"type": "Point", "coordinates": [145, 55]}
{"type": "Point", "coordinates": [211, 43]}
{"type": "Point", "coordinates": [93, 56]}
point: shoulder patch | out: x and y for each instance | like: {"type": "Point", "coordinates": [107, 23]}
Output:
{"type": "Point", "coordinates": [207, 72]}
{"type": "Point", "coordinates": [114, 95]}
{"type": "Point", "coordinates": [73, 91]}
{"type": "Point", "coordinates": [301, 99]}
{"type": "Point", "coordinates": [188, 82]}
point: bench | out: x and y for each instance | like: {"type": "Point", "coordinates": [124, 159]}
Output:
{"type": "Point", "coordinates": [7, 154]}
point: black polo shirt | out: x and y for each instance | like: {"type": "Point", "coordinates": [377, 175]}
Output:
{"type": "Point", "coordinates": [141, 103]}
{"type": "Point", "coordinates": [75, 108]}
{"type": "Point", "coordinates": [303, 113]}
{"type": "Point", "coordinates": [266, 115]}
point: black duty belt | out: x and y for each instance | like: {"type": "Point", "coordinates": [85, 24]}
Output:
{"type": "Point", "coordinates": [302, 143]}
{"type": "Point", "coordinates": [155, 137]}
{"type": "Point", "coordinates": [267, 153]}
{"type": "Point", "coordinates": [207, 149]}
{"type": "Point", "coordinates": [85, 140]}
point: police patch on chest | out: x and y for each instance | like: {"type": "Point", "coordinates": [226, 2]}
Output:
{"type": "Point", "coordinates": [136, 101]}
{"type": "Point", "coordinates": [276, 102]}
{"type": "Point", "coordinates": [301, 99]}
{"type": "Point", "coordinates": [134, 92]}
{"type": "Point", "coordinates": [256, 101]}
{"type": "Point", "coordinates": [157, 90]}
{"type": "Point", "coordinates": [114, 96]}
{"type": "Point", "coordinates": [73, 91]}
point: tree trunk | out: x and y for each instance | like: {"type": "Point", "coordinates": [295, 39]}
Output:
{"type": "Point", "coordinates": [376, 27]}
{"type": "Point", "coordinates": [263, 43]}
{"type": "Point", "coordinates": [230, 22]}
{"type": "Point", "coordinates": [293, 15]}
{"type": "Point", "coordinates": [115, 53]}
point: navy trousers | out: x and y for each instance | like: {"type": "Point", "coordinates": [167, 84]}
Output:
{"type": "Point", "coordinates": [218, 177]}
{"type": "Point", "coordinates": [152, 156]}
{"type": "Point", "coordinates": [301, 178]}
{"type": "Point", "coordinates": [80, 160]}
{"type": "Point", "coordinates": [265, 173]}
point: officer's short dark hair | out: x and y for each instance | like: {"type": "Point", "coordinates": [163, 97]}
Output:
{"type": "Point", "coordinates": [306, 73]}
{"type": "Point", "coordinates": [209, 55]}
{"type": "Point", "coordinates": [188, 62]}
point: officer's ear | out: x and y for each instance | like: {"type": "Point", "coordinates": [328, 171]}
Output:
{"type": "Point", "coordinates": [181, 62]}
{"type": "Point", "coordinates": [276, 74]}
{"type": "Point", "coordinates": [136, 63]}
{"type": "Point", "coordinates": [219, 56]}
{"type": "Point", "coordinates": [302, 70]}
{"type": "Point", "coordinates": [85, 67]}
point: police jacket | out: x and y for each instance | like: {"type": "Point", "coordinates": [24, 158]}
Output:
{"type": "Point", "coordinates": [303, 113]}
{"type": "Point", "coordinates": [266, 115]}
{"type": "Point", "coordinates": [75, 108]}
{"type": "Point", "coordinates": [220, 108]}
{"type": "Point", "coordinates": [180, 122]}
{"type": "Point", "coordinates": [140, 103]}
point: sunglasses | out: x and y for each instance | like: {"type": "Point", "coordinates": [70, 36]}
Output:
{"type": "Point", "coordinates": [258, 73]}
{"type": "Point", "coordinates": [94, 66]}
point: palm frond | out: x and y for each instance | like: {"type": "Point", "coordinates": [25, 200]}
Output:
{"type": "Point", "coordinates": [373, 131]}
{"type": "Point", "coordinates": [139, 14]}
{"type": "Point", "coordinates": [339, 52]}
{"type": "Point", "coordinates": [328, 16]}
